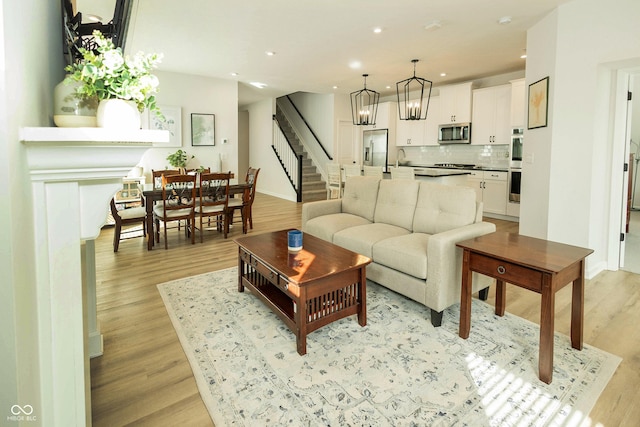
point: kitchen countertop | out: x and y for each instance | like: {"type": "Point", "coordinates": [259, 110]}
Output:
{"type": "Point", "coordinates": [436, 172]}
{"type": "Point", "coordinates": [417, 167]}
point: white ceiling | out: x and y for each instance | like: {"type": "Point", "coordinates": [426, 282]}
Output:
{"type": "Point", "coordinates": [317, 41]}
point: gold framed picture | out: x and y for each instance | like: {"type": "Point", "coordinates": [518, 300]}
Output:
{"type": "Point", "coordinates": [538, 104]}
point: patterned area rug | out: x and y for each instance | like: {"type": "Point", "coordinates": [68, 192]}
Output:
{"type": "Point", "coordinates": [396, 371]}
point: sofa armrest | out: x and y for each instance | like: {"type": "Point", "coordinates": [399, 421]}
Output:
{"type": "Point", "coordinates": [444, 264]}
{"type": "Point", "coordinates": [312, 210]}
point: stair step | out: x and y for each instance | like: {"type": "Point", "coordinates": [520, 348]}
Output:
{"type": "Point", "coordinates": [312, 196]}
{"type": "Point", "coordinates": [313, 185]}
{"type": "Point", "coordinates": [311, 177]}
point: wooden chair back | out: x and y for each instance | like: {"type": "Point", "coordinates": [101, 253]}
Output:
{"type": "Point", "coordinates": [157, 176]}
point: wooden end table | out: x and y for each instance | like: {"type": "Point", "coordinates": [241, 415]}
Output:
{"type": "Point", "coordinates": [535, 264]}
{"type": "Point", "coordinates": [307, 289]}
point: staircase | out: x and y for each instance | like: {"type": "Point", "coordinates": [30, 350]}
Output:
{"type": "Point", "coordinates": [313, 187]}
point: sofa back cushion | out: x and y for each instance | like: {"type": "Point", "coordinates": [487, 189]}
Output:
{"type": "Point", "coordinates": [360, 195]}
{"type": "Point", "coordinates": [397, 202]}
{"type": "Point", "coordinates": [443, 207]}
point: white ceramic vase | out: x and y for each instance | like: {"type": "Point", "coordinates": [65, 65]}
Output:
{"type": "Point", "coordinates": [118, 114]}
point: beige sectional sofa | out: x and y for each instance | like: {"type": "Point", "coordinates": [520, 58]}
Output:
{"type": "Point", "coordinates": [409, 228]}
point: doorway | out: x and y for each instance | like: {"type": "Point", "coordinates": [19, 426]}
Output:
{"type": "Point", "coordinates": [631, 260]}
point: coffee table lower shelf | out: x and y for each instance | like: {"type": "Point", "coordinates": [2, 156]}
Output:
{"type": "Point", "coordinates": [307, 307]}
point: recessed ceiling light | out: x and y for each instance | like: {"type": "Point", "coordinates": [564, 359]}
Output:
{"type": "Point", "coordinates": [355, 64]}
{"type": "Point", "coordinates": [443, 74]}
{"type": "Point", "coordinates": [270, 53]}
{"type": "Point", "coordinates": [504, 20]}
{"type": "Point", "coordinates": [387, 87]}
{"type": "Point", "coordinates": [433, 25]}
{"type": "Point", "coordinates": [258, 85]}
{"type": "Point", "coordinates": [234, 74]}
{"type": "Point", "coordinates": [335, 87]}
{"type": "Point", "coordinates": [377, 30]}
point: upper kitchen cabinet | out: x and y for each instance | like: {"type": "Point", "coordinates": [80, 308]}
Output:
{"type": "Point", "coordinates": [410, 132]}
{"type": "Point", "coordinates": [455, 103]}
{"type": "Point", "coordinates": [518, 103]}
{"type": "Point", "coordinates": [491, 115]}
{"type": "Point", "coordinates": [420, 132]}
{"type": "Point", "coordinates": [433, 120]}
{"type": "Point", "coordinates": [386, 117]}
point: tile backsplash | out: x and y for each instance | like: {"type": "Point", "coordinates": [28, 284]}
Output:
{"type": "Point", "coordinates": [481, 155]}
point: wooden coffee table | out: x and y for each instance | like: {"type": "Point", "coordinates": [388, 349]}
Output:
{"type": "Point", "coordinates": [535, 264]}
{"type": "Point", "coordinates": [308, 289]}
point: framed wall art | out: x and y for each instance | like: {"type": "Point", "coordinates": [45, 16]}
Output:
{"type": "Point", "coordinates": [538, 104]}
{"type": "Point", "coordinates": [172, 122]}
{"type": "Point", "coordinates": [203, 129]}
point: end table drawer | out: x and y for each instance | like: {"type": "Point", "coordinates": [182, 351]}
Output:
{"type": "Point", "coordinates": [511, 273]}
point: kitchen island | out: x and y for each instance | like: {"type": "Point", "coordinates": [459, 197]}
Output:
{"type": "Point", "coordinates": [441, 176]}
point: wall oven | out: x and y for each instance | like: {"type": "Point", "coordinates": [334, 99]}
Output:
{"type": "Point", "coordinates": [515, 177]}
{"type": "Point", "coordinates": [517, 138]}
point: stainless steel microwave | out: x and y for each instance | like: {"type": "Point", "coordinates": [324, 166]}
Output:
{"type": "Point", "coordinates": [454, 133]}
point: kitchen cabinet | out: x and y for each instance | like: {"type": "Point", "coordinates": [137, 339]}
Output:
{"type": "Point", "coordinates": [433, 121]}
{"type": "Point", "coordinates": [491, 115]}
{"type": "Point", "coordinates": [386, 117]}
{"type": "Point", "coordinates": [518, 103]}
{"type": "Point", "coordinates": [410, 132]}
{"type": "Point", "coordinates": [491, 189]}
{"type": "Point", "coordinates": [455, 103]}
{"type": "Point", "coordinates": [420, 132]}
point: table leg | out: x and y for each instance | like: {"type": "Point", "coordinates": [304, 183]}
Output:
{"type": "Point", "coordinates": [240, 270]}
{"type": "Point", "coordinates": [547, 311]}
{"type": "Point", "coordinates": [362, 292]}
{"type": "Point", "coordinates": [500, 297]}
{"type": "Point", "coordinates": [149, 218]}
{"type": "Point", "coordinates": [577, 310]}
{"type": "Point", "coordinates": [465, 297]}
{"type": "Point", "coordinates": [301, 316]}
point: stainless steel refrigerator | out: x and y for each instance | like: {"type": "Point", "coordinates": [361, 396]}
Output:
{"type": "Point", "coordinates": [375, 146]}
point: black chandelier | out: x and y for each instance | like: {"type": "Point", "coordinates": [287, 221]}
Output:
{"type": "Point", "coordinates": [364, 105]}
{"type": "Point", "coordinates": [413, 96]}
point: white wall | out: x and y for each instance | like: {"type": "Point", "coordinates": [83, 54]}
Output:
{"type": "Point", "coordinates": [580, 45]}
{"type": "Point", "coordinates": [272, 179]}
{"type": "Point", "coordinates": [31, 64]}
{"type": "Point", "coordinates": [318, 111]}
{"type": "Point", "coordinates": [197, 94]}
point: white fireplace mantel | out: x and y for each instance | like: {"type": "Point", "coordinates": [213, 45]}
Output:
{"type": "Point", "coordinates": [74, 173]}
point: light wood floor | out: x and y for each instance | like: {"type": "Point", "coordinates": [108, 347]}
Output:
{"type": "Point", "coordinates": [144, 378]}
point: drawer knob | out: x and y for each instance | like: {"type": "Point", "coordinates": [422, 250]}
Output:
{"type": "Point", "coordinates": [501, 269]}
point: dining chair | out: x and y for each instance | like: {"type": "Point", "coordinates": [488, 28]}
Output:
{"type": "Point", "coordinates": [372, 171]}
{"type": "Point", "coordinates": [126, 217]}
{"type": "Point", "coordinates": [178, 203]}
{"type": "Point", "coordinates": [350, 170]}
{"type": "Point", "coordinates": [246, 206]}
{"type": "Point", "coordinates": [334, 181]}
{"type": "Point", "coordinates": [213, 201]}
{"type": "Point", "coordinates": [157, 176]}
{"type": "Point", "coordinates": [402, 172]}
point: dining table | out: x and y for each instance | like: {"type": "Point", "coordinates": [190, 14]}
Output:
{"type": "Point", "coordinates": [152, 194]}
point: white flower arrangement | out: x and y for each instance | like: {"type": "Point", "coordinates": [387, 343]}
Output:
{"type": "Point", "coordinates": [109, 74]}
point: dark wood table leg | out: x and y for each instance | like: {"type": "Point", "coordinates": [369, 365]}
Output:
{"type": "Point", "coordinates": [547, 311]}
{"type": "Point", "coordinates": [577, 310]}
{"type": "Point", "coordinates": [500, 297]}
{"type": "Point", "coordinates": [148, 204]}
{"type": "Point", "coordinates": [301, 316]}
{"type": "Point", "coordinates": [465, 297]}
{"type": "Point", "coordinates": [362, 292]}
{"type": "Point", "coordinates": [240, 270]}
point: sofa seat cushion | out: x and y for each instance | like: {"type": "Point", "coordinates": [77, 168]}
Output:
{"type": "Point", "coordinates": [407, 254]}
{"type": "Point", "coordinates": [361, 238]}
{"type": "Point", "coordinates": [325, 226]}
